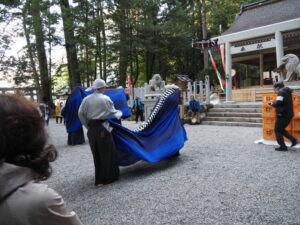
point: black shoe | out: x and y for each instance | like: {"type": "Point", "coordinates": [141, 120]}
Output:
{"type": "Point", "coordinates": [294, 142]}
{"type": "Point", "coordinates": [281, 149]}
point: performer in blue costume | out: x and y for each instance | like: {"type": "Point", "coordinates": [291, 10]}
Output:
{"type": "Point", "coordinates": [158, 138]}
{"type": "Point", "coordinates": [70, 114]}
{"type": "Point", "coordinates": [70, 111]}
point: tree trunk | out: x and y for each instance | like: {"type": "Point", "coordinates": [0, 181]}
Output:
{"type": "Point", "coordinates": [98, 50]}
{"type": "Point", "coordinates": [204, 32]}
{"type": "Point", "coordinates": [152, 64]}
{"type": "Point", "coordinates": [31, 55]}
{"type": "Point", "coordinates": [50, 52]}
{"type": "Point", "coordinates": [87, 68]}
{"type": "Point", "coordinates": [103, 42]}
{"type": "Point", "coordinates": [40, 40]}
{"type": "Point", "coordinates": [137, 68]}
{"type": "Point", "coordinates": [123, 53]}
{"type": "Point", "coordinates": [70, 41]}
{"type": "Point", "coordinates": [148, 75]}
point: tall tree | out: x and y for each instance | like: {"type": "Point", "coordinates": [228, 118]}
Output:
{"type": "Point", "coordinates": [204, 32]}
{"type": "Point", "coordinates": [121, 22]}
{"type": "Point", "coordinates": [41, 53]}
{"type": "Point", "coordinates": [70, 44]}
{"type": "Point", "coordinates": [104, 40]}
{"type": "Point", "coordinates": [30, 50]}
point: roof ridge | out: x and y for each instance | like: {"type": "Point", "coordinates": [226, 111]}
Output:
{"type": "Point", "coordinates": [252, 5]}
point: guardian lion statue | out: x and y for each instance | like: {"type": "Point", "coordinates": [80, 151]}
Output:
{"type": "Point", "coordinates": [290, 64]}
{"type": "Point", "coordinates": [156, 83]}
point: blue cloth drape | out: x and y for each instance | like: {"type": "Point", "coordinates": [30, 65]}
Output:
{"type": "Point", "coordinates": [70, 111]}
{"type": "Point", "coordinates": [162, 138]}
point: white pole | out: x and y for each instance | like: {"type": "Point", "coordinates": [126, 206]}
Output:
{"type": "Point", "coordinates": [201, 91]}
{"type": "Point", "coordinates": [228, 72]}
{"type": "Point", "coordinates": [207, 89]}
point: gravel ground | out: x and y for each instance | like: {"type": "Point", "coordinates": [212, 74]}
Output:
{"type": "Point", "coordinates": [221, 177]}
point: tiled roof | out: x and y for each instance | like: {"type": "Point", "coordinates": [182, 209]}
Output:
{"type": "Point", "coordinates": [264, 13]}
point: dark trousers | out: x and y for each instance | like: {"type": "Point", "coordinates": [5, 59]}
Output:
{"type": "Point", "coordinates": [58, 117]}
{"type": "Point", "coordinates": [139, 113]}
{"type": "Point", "coordinates": [104, 153]}
{"type": "Point", "coordinates": [280, 125]}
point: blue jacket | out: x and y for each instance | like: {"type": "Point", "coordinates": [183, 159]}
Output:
{"type": "Point", "coordinates": [139, 106]}
{"type": "Point", "coordinates": [194, 105]}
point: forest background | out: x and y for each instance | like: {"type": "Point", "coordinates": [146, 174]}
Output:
{"type": "Point", "coordinates": [108, 39]}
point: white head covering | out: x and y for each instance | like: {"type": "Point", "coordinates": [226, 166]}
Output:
{"type": "Point", "coordinates": [98, 83]}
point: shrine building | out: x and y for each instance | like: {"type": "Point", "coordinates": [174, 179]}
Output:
{"type": "Point", "coordinates": [262, 33]}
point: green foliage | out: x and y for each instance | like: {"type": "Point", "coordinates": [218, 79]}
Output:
{"type": "Point", "coordinates": [60, 79]}
{"type": "Point", "coordinates": [116, 37]}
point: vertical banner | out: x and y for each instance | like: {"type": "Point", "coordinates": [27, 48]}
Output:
{"type": "Point", "coordinates": [129, 83]}
{"type": "Point", "coordinates": [214, 65]}
{"type": "Point", "coordinates": [222, 50]}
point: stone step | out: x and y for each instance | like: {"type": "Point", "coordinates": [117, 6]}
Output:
{"type": "Point", "coordinates": [238, 106]}
{"type": "Point", "coordinates": [244, 110]}
{"type": "Point", "coordinates": [234, 119]}
{"type": "Point", "coordinates": [240, 124]}
{"type": "Point", "coordinates": [233, 114]}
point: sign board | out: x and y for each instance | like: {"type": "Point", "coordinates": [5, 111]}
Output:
{"type": "Point", "coordinates": [253, 47]}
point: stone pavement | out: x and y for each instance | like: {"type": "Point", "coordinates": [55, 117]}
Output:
{"type": "Point", "coordinates": [221, 177]}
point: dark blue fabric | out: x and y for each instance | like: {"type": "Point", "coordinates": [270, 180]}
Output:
{"type": "Point", "coordinates": [70, 111]}
{"type": "Point", "coordinates": [162, 138]}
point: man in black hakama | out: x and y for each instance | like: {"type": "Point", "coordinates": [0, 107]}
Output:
{"type": "Point", "coordinates": [93, 113]}
{"type": "Point", "coordinates": [104, 153]}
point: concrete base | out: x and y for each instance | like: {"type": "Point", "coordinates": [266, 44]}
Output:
{"type": "Point", "coordinates": [149, 102]}
{"type": "Point", "coordinates": [266, 142]}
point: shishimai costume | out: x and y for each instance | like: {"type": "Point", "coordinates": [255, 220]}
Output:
{"type": "Point", "coordinates": [162, 135]}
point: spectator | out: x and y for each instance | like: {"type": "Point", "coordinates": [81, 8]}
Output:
{"type": "Point", "coordinates": [46, 111]}
{"type": "Point", "coordinates": [138, 107]}
{"type": "Point", "coordinates": [194, 104]}
{"type": "Point", "coordinates": [58, 109]}
{"type": "Point", "coordinates": [25, 160]}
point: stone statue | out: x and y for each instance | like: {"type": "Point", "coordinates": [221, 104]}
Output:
{"type": "Point", "coordinates": [290, 64]}
{"type": "Point", "coordinates": [153, 90]}
{"type": "Point", "coordinates": [156, 84]}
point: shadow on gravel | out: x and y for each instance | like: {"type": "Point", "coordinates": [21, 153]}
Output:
{"type": "Point", "coordinates": [142, 169]}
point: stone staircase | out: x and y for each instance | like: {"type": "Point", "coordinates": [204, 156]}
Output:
{"type": "Point", "coordinates": [248, 114]}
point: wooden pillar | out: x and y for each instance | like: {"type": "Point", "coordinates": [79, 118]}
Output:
{"type": "Point", "coordinates": [279, 50]}
{"type": "Point", "coordinates": [261, 69]}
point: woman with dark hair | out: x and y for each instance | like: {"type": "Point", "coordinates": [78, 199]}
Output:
{"type": "Point", "coordinates": [24, 160]}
